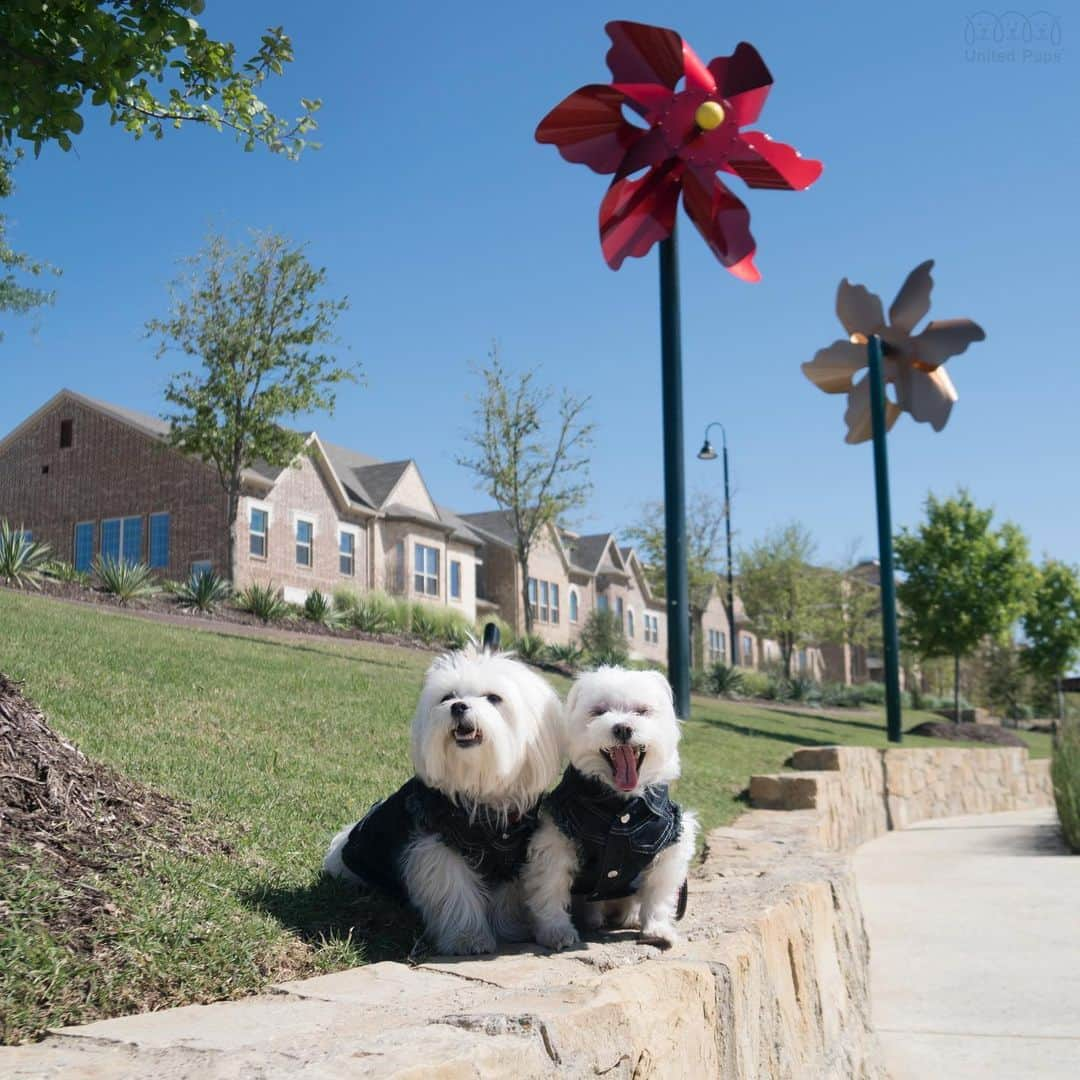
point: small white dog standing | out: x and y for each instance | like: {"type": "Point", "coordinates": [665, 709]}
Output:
{"type": "Point", "coordinates": [486, 744]}
{"type": "Point", "coordinates": [610, 837]}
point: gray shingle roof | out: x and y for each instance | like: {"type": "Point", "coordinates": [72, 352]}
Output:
{"type": "Point", "coordinates": [348, 465]}
{"type": "Point", "coordinates": [381, 479]}
{"type": "Point", "coordinates": [494, 524]}
{"type": "Point", "coordinates": [587, 551]}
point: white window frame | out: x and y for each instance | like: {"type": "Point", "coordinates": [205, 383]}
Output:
{"type": "Point", "coordinates": [629, 622]}
{"type": "Point", "coordinates": [574, 606]}
{"type": "Point", "coordinates": [348, 530]}
{"type": "Point", "coordinates": [426, 578]}
{"type": "Point", "coordinates": [253, 505]}
{"type": "Point", "coordinates": [545, 589]}
{"type": "Point", "coordinates": [455, 563]}
{"type": "Point", "coordinates": [554, 604]}
{"type": "Point", "coordinates": [298, 520]}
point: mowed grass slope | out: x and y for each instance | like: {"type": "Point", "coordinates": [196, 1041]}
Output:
{"type": "Point", "coordinates": [276, 745]}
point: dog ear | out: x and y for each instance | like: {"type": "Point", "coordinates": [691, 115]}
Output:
{"type": "Point", "coordinates": [572, 696]}
{"type": "Point", "coordinates": [661, 678]}
{"type": "Point", "coordinates": [491, 638]}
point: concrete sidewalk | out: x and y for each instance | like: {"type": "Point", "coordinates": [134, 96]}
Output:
{"type": "Point", "coordinates": [974, 927]}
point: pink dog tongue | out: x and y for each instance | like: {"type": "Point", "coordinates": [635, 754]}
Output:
{"type": "Point", "coordinates": [625, 761]}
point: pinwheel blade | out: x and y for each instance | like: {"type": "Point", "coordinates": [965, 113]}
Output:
{"type": "Point", "coordinates": [722, 220]}
{"type": "Point", "coordinates": [588, 128]}
{"type": "Point", "coordinates": [744, 80]}
{"type": "Point", "coordinates": [635, 214]}
{"type": "Point", "coordinates": [928, 395]}
{"type": "Point", "coordinates": [834, 367]}
{"type": "Point", "coordinates": [913, 300]}
{"type": "Point", "coordinates": [857, 415]}
{"type": "Point", "coordinates": [944, 338]}
{"type": "Point", "coordinates": [641, 53]}
{"type": "Point", "coordinates": [858, 309]}
{"type": "Point", "coordinates": [763, 163]}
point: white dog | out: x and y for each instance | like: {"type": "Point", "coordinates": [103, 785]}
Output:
{"type": "Point", "coordinates": [486, 744]}
{"type": "Point", "coordinates": [610, 838]}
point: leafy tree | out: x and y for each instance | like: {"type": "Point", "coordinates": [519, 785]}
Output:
{"type": "Point", "coordinates": [964, 581]}
{"type": "Point", "coordinates": [1001, 677]}
{"type": "Point", "coordinates": [853, 612]}
{"type": "Point", "coordinates": [253, 318]}
{"type": "Point", "coordinates": [148, 62]}
{"type": "Point", "coordinates": [535, 478]}
{"type": "Point", "coordinates": [785, 597]}
{"type": "Point", "coordinates": [704, 535]}
{"type": "Point", "coordinates": [1052, 625]}
{"type": "Point", "coordinates": [15, 296]}
{"type": "Point", "coordinates": [603, 639]}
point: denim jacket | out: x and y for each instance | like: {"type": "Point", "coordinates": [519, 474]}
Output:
{"type": "Point", "coordinates": [374, 848]}
{"type": "Point", "coordinates": [618, 837]}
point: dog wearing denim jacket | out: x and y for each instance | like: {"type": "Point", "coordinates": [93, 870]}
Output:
{"type": "Point", "coordinates": [611, 844]}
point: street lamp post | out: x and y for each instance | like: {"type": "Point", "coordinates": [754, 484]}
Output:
{"type": "Point", "coordinates": [707, 453]}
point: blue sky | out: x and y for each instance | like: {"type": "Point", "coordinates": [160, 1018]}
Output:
{"type": "Point", "coordinates": [447, 226]}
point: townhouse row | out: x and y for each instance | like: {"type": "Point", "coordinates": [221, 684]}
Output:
{"type": "Point", "coordinates": [91, 478]}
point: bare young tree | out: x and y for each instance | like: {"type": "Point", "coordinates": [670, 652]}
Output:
{"type": "Point", "coordinates": [528, 455]}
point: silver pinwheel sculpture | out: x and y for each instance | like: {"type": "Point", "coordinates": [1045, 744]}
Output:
{"type": "Point", "coordinates": [912, 363]}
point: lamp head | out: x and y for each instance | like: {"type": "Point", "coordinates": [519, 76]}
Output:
{"type": "Point", "coordinates": [707, 453]}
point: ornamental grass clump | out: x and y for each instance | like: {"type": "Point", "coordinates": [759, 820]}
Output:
{"type": "Point", "coordinates": [373, 613]}
{"type": "Point", "coordinates": [125, 580]}
{"type": "Point", "coordinates": [1065, 774]}
{"type": "Point", "coordinates": [263, 601]}
{"type": "Point", "coordinates": [22, 560]}
{"type": "Point", "coordinates": [318, 608]}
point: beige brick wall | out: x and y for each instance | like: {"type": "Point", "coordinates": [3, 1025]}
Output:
{"type": "Point", "coordinates": [110, 470]}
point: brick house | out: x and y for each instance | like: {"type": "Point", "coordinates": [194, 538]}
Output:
{"type": "Point", "coordinates": [92, 478]}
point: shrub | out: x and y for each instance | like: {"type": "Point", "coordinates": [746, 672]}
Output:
{"type": "Point", "coordinates": [453, 629]}
{"type": "Point", "coordinates": [423, 623]}
{"type": "Point", "coordinates": [58, 570]}
{"type": "Point", "coordinates": [263, 601]}
{"type": "Point", "coordinates": [318, 608]}
{"type": "Point", "coordinates": [346, 599]}
{"type": "Point", "coordinates": [530, 647]}
{"type": "Point", "coordinates": [803, 688]}
{"type": "Point", "coordinates": [373, 613]}
{"type": "Point", "coordinates": [699, 681]}
{"type": "Point", "coordinates": [724, 680]}
{"type": "Point", "coordinates": [201, 592]}
{"type": "Point", "coordinates": [603, 639]}
{"type": "Point", "coordinates": [1065, 773]}
{"type": "Point", "coordinates": [400, 612]}
{"type": "Point", "coordinates": [754, 683]}
{"type": "Point", "coordinates": [777, 688]}
{"type": "Point", "coordinates": [125, 580]}
{"type": "Point", "coordinates": [22, 560]}
{"type": "Point", "coordinates": [571, 654]}
{"type": "Point", "coordinates": [873, 693]}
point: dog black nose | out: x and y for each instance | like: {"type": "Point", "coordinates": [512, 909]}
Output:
{"type": "Point", "coordinates": [458, 709]}
{"type": "Point", "coordinates": [622, 732]}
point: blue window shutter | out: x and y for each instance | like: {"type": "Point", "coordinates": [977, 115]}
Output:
{"type": "Point", "coordinates": [84, 545]}
{"type": "Point", "coordinates": [159, 541]}
{"type": "Point", "coordinates": [133, 540]}
{"type": "Point", "coordinates": [110, 539]}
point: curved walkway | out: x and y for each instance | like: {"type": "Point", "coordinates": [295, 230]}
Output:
{"type": "Point", "coordinates": [974, 926]}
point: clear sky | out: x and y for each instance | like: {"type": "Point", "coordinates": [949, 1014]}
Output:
{"type": "Point", "coordinates": [447, 226]}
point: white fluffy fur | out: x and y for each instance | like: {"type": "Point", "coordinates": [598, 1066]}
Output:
{"type": "Point", "coordinates": [597, 702]}
{"type": "Point", "coordinates": [517, 759]}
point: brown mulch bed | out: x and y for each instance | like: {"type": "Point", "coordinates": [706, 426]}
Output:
{"type": "Point", "coordinates": [79, 815]}
{"type": "Point", "coordinates": [989, 734]}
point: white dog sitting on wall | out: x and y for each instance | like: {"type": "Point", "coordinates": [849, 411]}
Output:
{"type": "Point", "coordinates": [610, 838]}
{"type": "Point", "coordinates": [486, 744]}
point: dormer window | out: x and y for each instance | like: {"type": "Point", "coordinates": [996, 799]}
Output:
{"type": "Point", "coordinates": [67, 433]}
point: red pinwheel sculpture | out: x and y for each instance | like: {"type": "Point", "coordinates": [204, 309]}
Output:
{"type": "Point", "coordinates": [689, 135]}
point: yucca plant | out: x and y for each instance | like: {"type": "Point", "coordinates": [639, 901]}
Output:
{"type": "Point", "coordinates": [570, 654]}
{"type": "Point", "coordinates": [724, 680]}
{"type": "Point", "coordinates": [318, 608]}
{"type": "Point", "coordinates": [263, 601]}
{"type": "Point", "coordinates": [58, 570]}
{"type": "Point", "coordinates": [22, 560]}
{"type": "Point", "coordinates": [125, 580]}
{"type": "Point", "coordinates": [202, 592]}
{"type": "Point", "coordinates": [424, 624]}
{"type": "Point", "coordinates": [530, 647]}
{"type": "Point", "coordinates": [373, 613]}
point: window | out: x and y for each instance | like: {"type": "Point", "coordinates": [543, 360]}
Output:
{"type": "Point", "coordinates": [426, 567]}
{"type": "Point", "coordinates": [555, 604]}
{"type": "Point", "coordinates": [573, 606]}
{"type": "Point", "coordinates": [347, 553]}
{"type": "Point", "coordinates": [67, 433]}
{"type": "Point", "coordinates": [110, 539]}
{"type": "Point", "coordinates": [803, 660]}
{"type": "Point", "coordinates": [159, 541]}
{"type": "Point", "coordinates": [630, 623]}
{"type": "Point", "coordinates": [601, 603]}
{"type": "Point", "coordinates": [652, 628]}
{"type": "Point", "coordinates": [619, 610]}
{"type": "Point", "coordinates": [544, 601]}
{"type": "Point", "coordinates": [748, 648]}
{"type": "Point", "coordinates": [260, 520]}
{"type": "Point", "coordinates": [455, 580]}
{"type": "Point", "coordinates": [131, 540]}
{"type": "Point", "coordinates": [717, 645]}
{"type": "Point", "coordinates": [532, 597]}
{"type": "Point", "coordinates": [305, 535]}
{"type": "Point", "coordinates": [84, 545]}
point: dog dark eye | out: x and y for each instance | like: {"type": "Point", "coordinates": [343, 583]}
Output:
{"type": "Point", "coordinates": [445, 698]}
{"type": "Point", "coordinates": [640, 710]}
{"type": "Point", "coordinates": [598, 710]}
{"type": "Point", "coordinates": [494, 699]}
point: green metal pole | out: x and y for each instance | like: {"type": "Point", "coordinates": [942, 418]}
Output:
{"type": "Point", "coordinates": [678, 597]}
{"type": "Point", "coordinates": [890, 637]}
{"type": "Point", "coordinates": [730, 564]}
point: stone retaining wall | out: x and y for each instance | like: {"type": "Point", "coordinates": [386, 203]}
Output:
{"type": "Point", "coordinates": [770, 982]}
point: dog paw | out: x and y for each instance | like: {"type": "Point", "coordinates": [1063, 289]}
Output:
{"type": "Point", "coordinates": [467, 944]}
{"type": "Point", "coordinates": [557, 936]}
{"type": "Point", "coordinates": [661, 934]}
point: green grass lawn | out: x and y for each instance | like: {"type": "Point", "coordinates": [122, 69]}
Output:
{"type": "Point", "coordinates": [275, 745]}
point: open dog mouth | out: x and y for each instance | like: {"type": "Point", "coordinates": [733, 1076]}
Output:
{"type": "Point", "coordinates": [625, 762]}
{"type": "Point", "coordinates": [466, 736]}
